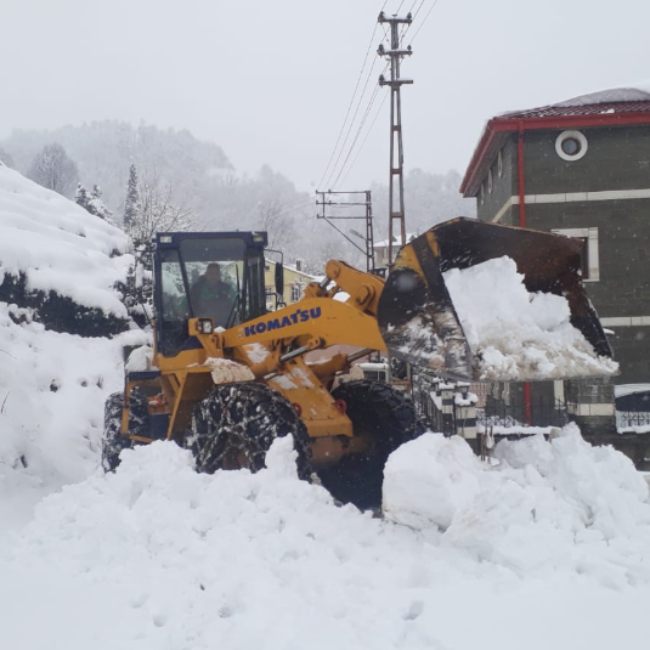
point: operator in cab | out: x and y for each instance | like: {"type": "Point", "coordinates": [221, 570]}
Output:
{"type": "Point", "coordinates": [212, 297]}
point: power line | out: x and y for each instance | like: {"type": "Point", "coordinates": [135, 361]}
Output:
{"type": "Point", "coordinates": [354, 117]}
{"type": "Point", "coordinates": [365, 139]}
{"type": "Point", "coordinates": [354, 93]}
{"type": "Point", "coordinates": [424, 20]}
{"type": "Point", "coordinates": [360, 128]}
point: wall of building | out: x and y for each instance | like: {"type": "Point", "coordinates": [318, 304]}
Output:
{"type": "Point", "coordinates": [617, 158]}
{"type": "Point", "coordinates": [502, 187]}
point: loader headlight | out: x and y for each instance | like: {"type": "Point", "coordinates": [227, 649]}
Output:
{"type": "Point", "coordinates": [206, 325]}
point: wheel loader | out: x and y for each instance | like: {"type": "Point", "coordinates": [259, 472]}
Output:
{"type": "Point", "coordinates": [227, 377]}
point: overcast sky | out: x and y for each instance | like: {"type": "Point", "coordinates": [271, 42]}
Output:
{"type": "Point", "coordinates": [271, 81]}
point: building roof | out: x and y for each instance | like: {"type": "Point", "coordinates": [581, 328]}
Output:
{"type": "Point", "coordinates": [614, 107]}
{"type": "Point", "coordinates": [384, 243]}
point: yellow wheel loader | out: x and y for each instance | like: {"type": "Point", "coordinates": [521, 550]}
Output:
{"type": "Point", "coordinates": [226, 377]}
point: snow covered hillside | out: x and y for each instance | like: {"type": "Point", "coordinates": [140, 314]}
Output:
{"type": "Point", "coordinates": [159, 557]}
{"type": "Point", "coordinates": [58, 268]}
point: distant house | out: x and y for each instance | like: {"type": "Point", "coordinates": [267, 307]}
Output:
{"type": "Point", "coordinates": [295, 281]}
{"type": "Point", "coordinates": [381, 250]}
{"type": "Point", "coordinates": [581, 168]}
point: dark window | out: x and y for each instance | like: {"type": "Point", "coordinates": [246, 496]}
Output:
{"type": "Point", "coordinates": [571, 146]}
{"type": "Point", "coordinates": [584, 257]}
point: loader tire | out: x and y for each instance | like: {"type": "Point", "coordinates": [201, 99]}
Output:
{"type": "Point", "coordinates": [236, 424]}
{"type": "Point", "coordinates": [113, 441]}
{"type": "Point", "coordinates": [384, 415]}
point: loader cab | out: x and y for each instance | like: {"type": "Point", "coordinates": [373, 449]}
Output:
{"type": "Point", "coordinates": [210, 275]}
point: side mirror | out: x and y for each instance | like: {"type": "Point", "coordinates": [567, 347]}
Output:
{"type": "Point", "coordinates": [279, 279]}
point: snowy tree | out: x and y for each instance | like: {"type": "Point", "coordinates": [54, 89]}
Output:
{"type": "Point", "coordinates": [131, 202]}
{"type": "Point", "coordinates": [96, 205]}
{"type": "Point", "coordinates": [92, 202]}
{"type": "Point", "coordinates": [53, 168]}
{"type": "Point", "coordinates": [157, 209]}
{"type": "Point", "coordinates": [81, 197]}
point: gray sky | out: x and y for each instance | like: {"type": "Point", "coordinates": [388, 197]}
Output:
{"type": "Point", "coordinates": [271, 81]}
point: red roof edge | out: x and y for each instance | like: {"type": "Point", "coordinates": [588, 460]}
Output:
{"type": "Point", "coordinates": [501, 124]}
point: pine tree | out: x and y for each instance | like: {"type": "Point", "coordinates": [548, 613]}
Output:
{"type": "Point", "coordinates": [132, 199]}
{"type": "Point", "coordinates": [96, 205]}
{"type": "Point", "coordinates": [81, 197]}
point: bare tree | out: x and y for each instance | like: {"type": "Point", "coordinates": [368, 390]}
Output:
{"type": "Point", "coordinates": [158, 209]}
{"type": "Point", "coordinates": [53, 168]}
{"type": "Point", "coordinates": [273, 219]}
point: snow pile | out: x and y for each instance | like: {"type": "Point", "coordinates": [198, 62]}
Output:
{"type": "Point", "coordinates": [156, 556]}
{"type": "Point", "coordinates": [547, 506]}
{"type": "Point", "coordinates": [59, 246]}
{"type": "Point", "coordinates": [52, 391]}
{"type": "Point", "coordinates": [53, 384]}
{"type": "Point", "coordinates": [517, 335]}
{"type": "Point", "coordinates": [225, 371]}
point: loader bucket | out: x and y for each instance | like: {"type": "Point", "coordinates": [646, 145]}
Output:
{"type": "Point", "coordinates": [419, 322]}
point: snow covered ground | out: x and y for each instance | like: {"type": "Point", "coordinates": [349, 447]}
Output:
{"type": "Point", "coordinates": [550, 549]}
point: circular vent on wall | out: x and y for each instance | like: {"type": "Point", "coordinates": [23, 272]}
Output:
{"type": "Point", "coordinates": [571, 145]}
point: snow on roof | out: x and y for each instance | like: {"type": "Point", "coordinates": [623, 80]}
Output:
{"type": "Point", "coordinates": [410, 236]}
{"type": "Point", "coordinates": [58, 245]}
{"type": "Point", "coordinates": [292, 267]}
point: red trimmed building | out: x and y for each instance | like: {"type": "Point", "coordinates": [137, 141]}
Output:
{"type": "Point", "coordinates": [581, 168]}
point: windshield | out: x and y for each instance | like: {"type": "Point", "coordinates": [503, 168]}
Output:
{"type": "Point", "coordinates": [209, 277]}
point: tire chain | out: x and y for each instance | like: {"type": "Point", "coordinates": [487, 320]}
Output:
{"type": "Point", "coordinates": [244, 418]}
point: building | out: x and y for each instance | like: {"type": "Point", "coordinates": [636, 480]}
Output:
{"type": "Point", "coordinates": [581, 168]}
{"type": "Point", "coordinates": [295, 281]}
{"type": "Point", "coordinates": [381, 250]}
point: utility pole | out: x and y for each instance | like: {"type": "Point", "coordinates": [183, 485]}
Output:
{"type": "Point", "coordinates": [326, 200]}
{"type": "Point", "coordinates": [396, 177]}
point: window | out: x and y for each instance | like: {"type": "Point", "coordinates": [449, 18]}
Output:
{"type": "Point", "coordinates": [482, 194]}
{"type": "Point", "coordinates": [296, 292]}
{"type": "Point", "coordinates": [590, 257]}
{"type": "Point", "coordinates": [490, 182]}
{"type": "Point", "coordinates": [571, 145]}
{"type": "Point", "coordinates": [500, 164]}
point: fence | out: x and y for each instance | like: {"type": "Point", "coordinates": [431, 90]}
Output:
{"type": "Point", "coordinates": [467, 409]}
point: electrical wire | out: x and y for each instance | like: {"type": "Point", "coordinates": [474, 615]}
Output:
{"type": "Point", "coordinates": [350, 127]}
{"type": "Point", "coordinates": [354, 94]}
{"type": "Point", "coordinates": [424, 20]}
{"type": "Point", "coordinates": [347, 114]}
{"type": "Point", "coordinates": [365, 139]}
{"type": "Point", "coordinates": [360, 127]}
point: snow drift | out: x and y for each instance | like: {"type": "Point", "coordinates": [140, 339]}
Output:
{"type": "Point", "coordinates": [157, 556]}
{"type": "Point", "coordinates": [60, 262]}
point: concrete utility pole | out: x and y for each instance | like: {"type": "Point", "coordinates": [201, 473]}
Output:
{"type": "Point", "coordinates": [395, 209]}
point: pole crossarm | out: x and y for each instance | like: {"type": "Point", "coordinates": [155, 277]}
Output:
{"type": "Point", "coordinates": [369, 251]}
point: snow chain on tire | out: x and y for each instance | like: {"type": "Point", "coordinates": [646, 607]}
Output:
{"type": "Point", "coordinates": [113, 441]}
{"type": "Point", "coordinates": [237, 423]}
